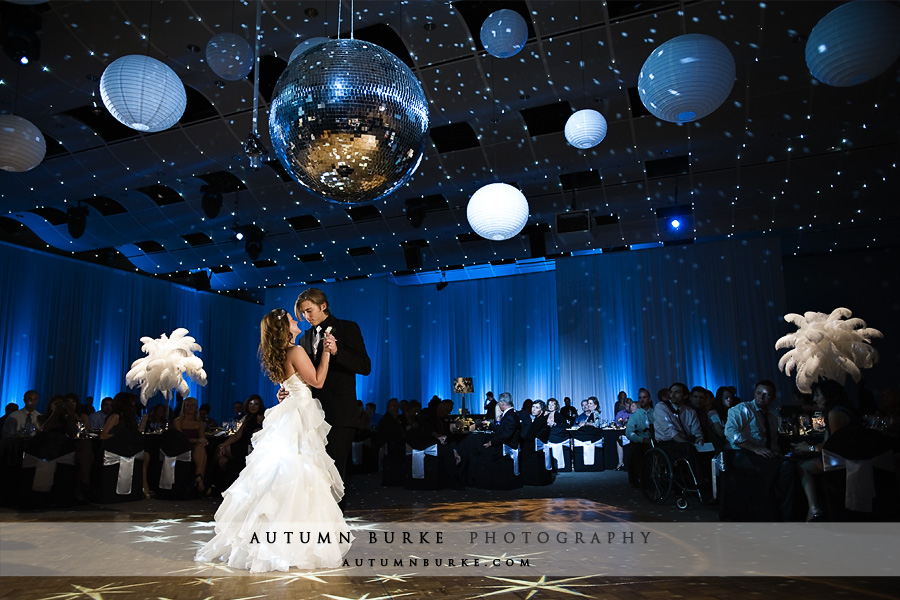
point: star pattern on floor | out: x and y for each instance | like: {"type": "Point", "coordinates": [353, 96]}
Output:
{"type": "Point", "coordinates": [517, 586]}
{"type": "Point", "coordinates": [147, 529]}
{"type": "Point", "coordinates": [153, 538]}
{"type": "Point", "coordinates": [366, 596]}
{"type": "Point", "coordinates": [394, 577]}
{"type": "Point", "coordinates": [96, 593]}
{"type": "Point", "coordinates": [289, 578]}
{"type": "Point", "coordinates": [503, 557]}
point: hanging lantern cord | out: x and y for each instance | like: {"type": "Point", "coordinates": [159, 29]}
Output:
{"type": "Point", "coordinates": [253, 146]}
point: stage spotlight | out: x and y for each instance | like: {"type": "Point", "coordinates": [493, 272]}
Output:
{"type": "Point", "coordinates": [442, 283]}
{"type": "Point", "coordinates": [211, 202]}
{"type": "Point", "coordinates": [252, 236]}
{"type": "Point", "coordinates": [239, 236]}
{"type": "Point", "coordinates": [675, 224]}
{"type": "Point", "coordinates": [77, 221]}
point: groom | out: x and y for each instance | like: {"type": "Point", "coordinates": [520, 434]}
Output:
{"type": "Point", "coordinates": [348, 357]}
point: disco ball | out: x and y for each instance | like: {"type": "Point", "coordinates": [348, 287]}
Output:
{"type": "Point", "coordinates": [854, 43]}
{"type": "Point", "coordinates": [229, 56]}
{"type": "Point", "coordinates": [504, 33]}
{"type": "Point", "coordinates": [686, 78]}
{"type": "Point", "coordinates": [349, 121]}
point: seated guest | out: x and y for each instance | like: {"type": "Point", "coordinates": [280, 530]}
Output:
{"type": "Point", "coordinates": [567, 413]}
{"type": "Point", "coordinates": [189, 423]}
{"type": "Point", "coordinates": [831, 398]}
{"type": "Point", "coordinates": [98, 419]}
{"type": "Point", "coordinates": [154, 419]}
{"type": "Point", "coordinates": [716, 415]}
{"type": "Point", "coordinates": [410, 417]}
{"type": "Point", "coordinates": [390, 427]}
{"type": "Point", "coordinates": [120, 431]}
{"type": "Point", "coordinates": [8, 410]}
{"type": "Point", "coordinates": [479, 449]}
{"type": "Point", "coordinates": [534, 425]}
{"type": "Point", "coordinates": [622, 415]}
{"type": "Point", "coordinates": [579, 420]}
{"type": "Point", "coordinates": [374, 417]}
{"type": "Point", "coordinates": [637, 430]}
{"type": "Point", "coordinates": [208, 422]}
{"type": "Point", "coordinates": [24, 420]}
{"type": "Point", "coordinates": [677, 429]}
{"type": "Point", "coordinates": [622, 420]}
{"type": "Point", "coordinates": [591, 416]}
{"type": "Point", "coordinates": [662, 394]}
{"type": "Point", "coordinates": [434, 427]}
{"type": "Point", "coordinates": [231, 454]}
{"type": "Point", "coordinates": [238, 409]}
{"type": "Point", "coordinates": [698, 393]}
{"type": "Point", "coordinates": [552, 412]}
{"type": "Point", "coordinates": [752, 431]}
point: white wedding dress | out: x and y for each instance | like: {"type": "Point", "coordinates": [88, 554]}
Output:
{"type": "Point", "coordinates": [289, 485]}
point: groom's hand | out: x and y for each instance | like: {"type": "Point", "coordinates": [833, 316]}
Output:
{"type": "Point", "coordinates": [282, 394]}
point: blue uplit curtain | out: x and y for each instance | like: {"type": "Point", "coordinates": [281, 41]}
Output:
{"type": "Point", "coordinates": [69, 326]}
{"type": "Point", "coordinates": [706, 314]}
{"type": "Point", "coordinates": [500, 332]}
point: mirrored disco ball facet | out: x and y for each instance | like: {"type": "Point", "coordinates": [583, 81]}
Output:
{"type": "Point", "coordinates": [349, 121]}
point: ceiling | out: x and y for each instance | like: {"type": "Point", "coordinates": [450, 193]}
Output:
{"type": "Point", "coordinates": [784, 155]}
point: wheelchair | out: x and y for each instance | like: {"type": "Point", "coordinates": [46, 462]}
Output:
{"type": "Point", "coordinates": [660, 475]}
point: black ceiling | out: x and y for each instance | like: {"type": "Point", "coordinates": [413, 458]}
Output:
{"type": "Point", "coordinates": [784, 155]}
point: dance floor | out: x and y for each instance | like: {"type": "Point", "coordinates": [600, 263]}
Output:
{"type": "Point", "coordinates": [85, 562]}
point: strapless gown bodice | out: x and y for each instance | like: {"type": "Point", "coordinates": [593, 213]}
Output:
{"type": "Point", "coordinates": [289, 484]}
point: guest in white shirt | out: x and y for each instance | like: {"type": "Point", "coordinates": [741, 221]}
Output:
{"type": "Point", "coordinates": [25, 419]}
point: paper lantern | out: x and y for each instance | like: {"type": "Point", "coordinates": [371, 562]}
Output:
{"type": "Point", "coordinates": [585, 129]}
{"type": "Point", "coordinates": [349, 121]}
{"type": "Point", "coordinates": [497, 211]}
{"type": "Point", "coordinates": [686, 78]}
{"type": "Point", "coordinates": [229, 56]}
{"type": "Point", "coordinates": [22, 145]}
{"type": "Point", "coordinates": [504, 33]}
{"type": "Point", "coordinates": [142, 93]}
{"type": "Point", "coordinates": [854, 43]}
{"type": "Point", "coordinates": [306, 45]}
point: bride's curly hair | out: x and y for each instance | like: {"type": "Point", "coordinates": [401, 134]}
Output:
{"type": "Point", "coordinates": [274, 341]}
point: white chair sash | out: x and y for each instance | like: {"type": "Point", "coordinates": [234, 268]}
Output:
{"type": "Point", "coordinates": [418, 459]}
{"type": "Point", "coordinates": [45, 469]}
{"type": "Point", "coordinates": [718, 466]}
{"type": "Point", "coordinates": [540, 446]}
{"type": "Point", "coordinates": [860, 477]}
{"type": "Point", "coordinates": [167, 476]}
{"type": "Point", "coordinates": [587, 447]}
{"type": "Point", "coordinates": [625, 440]}
{"type": "Point", "coordinates": [514, 453]}
{"type": "Point", "coordinates": [556, 449]}
{"type": "Point", "coordinates": [126, 469]}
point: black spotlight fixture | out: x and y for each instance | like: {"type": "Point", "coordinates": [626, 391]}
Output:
{"type": "Point", "coordinates": [252, 236]}
{"type": "Point", "coordinates": [442, 283]}
{"type": "Point", "coordinates": [212, 201]}
{"type": "Point", "coordinates": [415, 212]}
{"type": "Point", "coordinates": [19, 29]}
{"type": "Point", "coordinates": [77, 221]}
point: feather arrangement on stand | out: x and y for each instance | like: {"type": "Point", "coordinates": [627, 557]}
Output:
{"type": "Point", "coordinates": [827, 346]}
{"type": "Point", "coordinates": [168, 360]}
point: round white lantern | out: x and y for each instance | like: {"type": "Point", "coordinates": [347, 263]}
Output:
{"type": "Point", "coordinates": [504, 33]}
{"type": "Point", "coordinates": [22, 145]}
{"type": "Point", "coordinates": [686, 78]}
{"type": "Point", "coordinates": [854, 43]}
{"type": "Point", "coordinates": [229, 56]}
{"type": "Point", "coordinates": [497, 211]}
{"type": "Point", "coordinates": [305, 45]}
{"type": "Point", "coordinates": [142, 93]}
{"type": "Point", "coordinates": [585, 129]}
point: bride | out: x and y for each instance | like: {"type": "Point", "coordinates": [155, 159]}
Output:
{"type": "Point", "coordinates": [282, 511]}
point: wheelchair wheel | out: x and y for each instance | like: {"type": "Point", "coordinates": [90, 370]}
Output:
{"type": "Point", "coordinates": [682, 502]}
{"type": "Point", "coordinates": [656, 476]}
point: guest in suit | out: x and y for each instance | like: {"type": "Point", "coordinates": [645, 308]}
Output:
{"type": "Point", "coordinates": [348, 359]}
{"type": "Point", "coordinates": [568, 413]}
{"type": "Point", "coordinates": [505, 430]}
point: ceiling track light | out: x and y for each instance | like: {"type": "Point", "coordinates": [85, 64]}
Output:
{"type": "Point", "coordinates": [77, 221]}
{"type": "Point", "coordinates": [443, 282]}
{"type": "Point", "coordinates": [212, 201]}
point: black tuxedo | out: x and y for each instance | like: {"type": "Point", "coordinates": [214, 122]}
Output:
{"type": "Point", "coordinates": [506, 431]}
{"type": "Point", "coordinates": [338, 395]}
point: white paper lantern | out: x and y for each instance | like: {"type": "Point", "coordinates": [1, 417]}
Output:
{"type": "Point", "coordinates": [142, 93]}
{"type": "Point", "coordinates": [497, 211]}
{"type": "Point", "coordinates": [585, 129]}
{"type": "Point", "coordinates": [22, 145]}
{"type": "Point", "coordinates": [229, 56]}
{"type": "Point", "coordinates": [854, 43]}
{"type": "Point", "coordinates": [504, 33]}
{"type": "Point", "coordinates": [686, 78]}
{"type": "Point", "coordinates": [305, 45]}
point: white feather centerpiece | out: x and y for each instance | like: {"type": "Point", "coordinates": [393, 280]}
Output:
{"type": "Point", "coordinates": [827, 346]}
{"type": "Point", "coordinates": [168, 360]}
